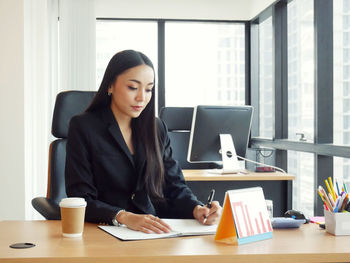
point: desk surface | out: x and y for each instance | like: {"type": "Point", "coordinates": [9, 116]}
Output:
{"type": "Point", "coordinates": [210, 175]}
{"type": "Point", "coordinates": [307, 244]}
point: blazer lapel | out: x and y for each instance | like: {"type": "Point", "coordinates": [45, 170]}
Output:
{"type": "Point", "coordinates": [140, 157]}
{"type": "Point", "coordinates": [143, 201]}
{"type": "Point", "coordinates": [114, 130]}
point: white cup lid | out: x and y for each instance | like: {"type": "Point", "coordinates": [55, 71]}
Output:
{"type": "Point", "coordinates": [73, 202]}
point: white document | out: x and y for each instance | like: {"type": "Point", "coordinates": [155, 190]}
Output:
{"type": "Point", "coordinates": [180, 227]}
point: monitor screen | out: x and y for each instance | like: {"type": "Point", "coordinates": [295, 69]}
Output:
{"type": "Point", "coordinates": [211, 121]}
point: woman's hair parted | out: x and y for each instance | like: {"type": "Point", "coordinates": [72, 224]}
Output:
{"type": "Point", "coordinates": [144, 126]}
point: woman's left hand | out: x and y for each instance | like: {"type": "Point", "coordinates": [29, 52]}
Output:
{"type": "Point", "coordinates": [208, 216]}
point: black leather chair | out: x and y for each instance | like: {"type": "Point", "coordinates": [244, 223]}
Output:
{"type": "Point", "coordinates": [179, 122]}
{"type": "Point", "coordinates": [68, 104]}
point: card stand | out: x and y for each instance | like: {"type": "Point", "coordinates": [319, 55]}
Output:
{"type": "Point", "coordinates": [244, 217]}
{"type": "Point", "coordinates": [337, 224]}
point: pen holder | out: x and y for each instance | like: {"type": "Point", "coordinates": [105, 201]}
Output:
{"type": "Point", "coordinates": [337, 223]}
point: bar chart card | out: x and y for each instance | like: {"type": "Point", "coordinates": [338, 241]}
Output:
{"type": "Point", "coordinates": [244, 217]}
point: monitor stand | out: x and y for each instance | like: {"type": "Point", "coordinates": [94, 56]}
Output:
{"type": "Point", "coordinates": [230, 163]}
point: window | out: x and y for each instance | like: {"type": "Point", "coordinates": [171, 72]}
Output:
{"type": "Point", "coordinates": [266, 82]}
{"type": "Point", "coordinates": [341, 168]}
{"type": "Point", "coordinates": [300, 69]}
{"type": "Point", "coordinates": [346, 89]}
{"type": "Point", "coordinates": [346, 20]}
{"type": "Point", "coordinates": [302, 89]}
{"type": "Point", "coordinates": [346, 6]}
{"type": "Point", "coordinates": [301, 165]}
{"type": "Point", "coordinates": [202, 63]}
{"type": "Point", "coordinates": [341, 87]}
{"type": "Point", "coordinates": [113, 36]}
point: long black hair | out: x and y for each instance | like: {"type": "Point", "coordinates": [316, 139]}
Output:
{"type": "Point", "coordinates": [145, 125]}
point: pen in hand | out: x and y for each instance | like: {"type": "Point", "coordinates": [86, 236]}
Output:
{"type": "Point", "coordinates": [209, 201]}
{"type": "Point", "coordinates": [210, 198]}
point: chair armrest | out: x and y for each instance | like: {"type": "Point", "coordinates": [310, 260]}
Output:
{"type": "Point", "coordinates": [47, 208]}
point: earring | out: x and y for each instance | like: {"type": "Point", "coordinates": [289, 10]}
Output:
{"type": "Point", "coordinates": [109, 93]}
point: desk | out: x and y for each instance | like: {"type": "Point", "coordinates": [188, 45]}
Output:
{"type": "Point", "coordinates": [307, 244]}
{"type": "Point", "coordinates": [276, 186]}
{"type": "Point", "coordinates": [208, 175]}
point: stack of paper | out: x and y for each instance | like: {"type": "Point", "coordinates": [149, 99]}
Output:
{"type": "Point", "coordinates": [180, 227]}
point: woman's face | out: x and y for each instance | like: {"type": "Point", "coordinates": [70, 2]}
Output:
{"type": "Point", "coordinates": [132, 91]}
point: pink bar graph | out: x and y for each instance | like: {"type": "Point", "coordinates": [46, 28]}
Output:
{"type": "Point", "coordinates": [257, 226]}
{"type": "Point", "coordinates": [244, 223]}
{"type": "Point", "coordinates": [250, 222]}
{"type": "Point", "coordinates": [238, 224]}
{"type": "Point", "coordinates": [262, 223]}
{"type": "Point", "coordinates": [251, 219]}
{"type": "Point", "coordinates": [268, 225]}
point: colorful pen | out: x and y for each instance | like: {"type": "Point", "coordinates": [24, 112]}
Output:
{"type": "Point", "coordinates": [324, 202]}
{"type": "Point", "coordinates": [332, 188]}
{"type": "Point", "coordinates": [336, 183]}
{"type": "Point", "coordinates": [331, 199]}
{"type": "Point", "coordinates": [341, 201]}
{"type": "Point", "coordinates": [326, 199]}
{"type": "Point", "coordinates": [336, 205]}
{"type": "Point", "coordinates": [329, 189]}
{"type": "Point", "coordinates": [345, 202]}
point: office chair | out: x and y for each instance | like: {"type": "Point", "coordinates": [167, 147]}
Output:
{"type": "Point", "coordinates": [179, 122]}
{"type": "Point", "coordinates": [67, 105]}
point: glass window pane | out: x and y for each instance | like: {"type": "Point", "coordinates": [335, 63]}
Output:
{"type": "Point", "coordinates": [341, 168]}
{"type": "Point", "coordinates": [341, 87]}
{"type": "Point", "coordinates": [300, 69]}
{"type": "Point", "coordinates": [113, 36]}
{"type": "Point", "coordinates": [301, 165]}
{"type": "Point", "coordinates": [266, 82]}
{"type": "Point", "coordinates": [204, 64]}
{"type": "Point", "coordinates": [345, 4]}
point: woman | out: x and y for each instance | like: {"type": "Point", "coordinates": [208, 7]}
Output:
{"type": "Point", "coordinates": [119, 156]}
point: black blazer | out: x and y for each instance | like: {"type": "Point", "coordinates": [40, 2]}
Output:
{"type": "Point", "coordinates": [101, 169]}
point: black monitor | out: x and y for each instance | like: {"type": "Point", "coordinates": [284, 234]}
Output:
{"type": "Point", "coordinates": [209, 123]}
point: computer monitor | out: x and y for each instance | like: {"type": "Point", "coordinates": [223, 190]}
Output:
{"type": "Point", "coordinates": [220, 129]}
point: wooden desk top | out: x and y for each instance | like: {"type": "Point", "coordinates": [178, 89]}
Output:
{"type": "Point", "coordinates": [307, 244]}
{"type": "Point", "coordinates": [209, 175]}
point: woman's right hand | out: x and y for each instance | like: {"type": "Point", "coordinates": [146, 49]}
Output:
{"type": "Point", "coordinates": [144, 223]}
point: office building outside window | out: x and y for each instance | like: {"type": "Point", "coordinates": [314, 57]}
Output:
{"type": "Point", "coordinates": [301, 100]}
{"type": "Point", "coordinates": [266, 83]}
{"type": "Point", "coordinates": [204, 64]}
{"type": "Point", "coordinates": [113, 36]}
{"type": "Point", "coordinates": [341, 87]}
{"type": "Point", "coordinates": [301, 70]}
{"type": "Point", "coordinates": [301, 165]}
{"type": "Point", "coordinates": [341, 170]}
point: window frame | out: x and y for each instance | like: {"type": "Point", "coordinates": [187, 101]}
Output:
{"type": "Point", "coordinates": [161, 50]}
{"type": "Point", "coordinates": [322, 147]}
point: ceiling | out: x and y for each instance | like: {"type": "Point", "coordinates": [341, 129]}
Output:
{"type": "Point", "coordinates": [241, 10]}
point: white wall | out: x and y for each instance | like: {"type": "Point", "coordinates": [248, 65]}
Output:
{"type": "Point", "coordinates": [12, 190]}
{"type": "Point", "coordinates": [182, 9]}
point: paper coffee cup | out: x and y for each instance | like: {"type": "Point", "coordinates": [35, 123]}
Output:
{"type": "Point", "coordinates": [72, 216]}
